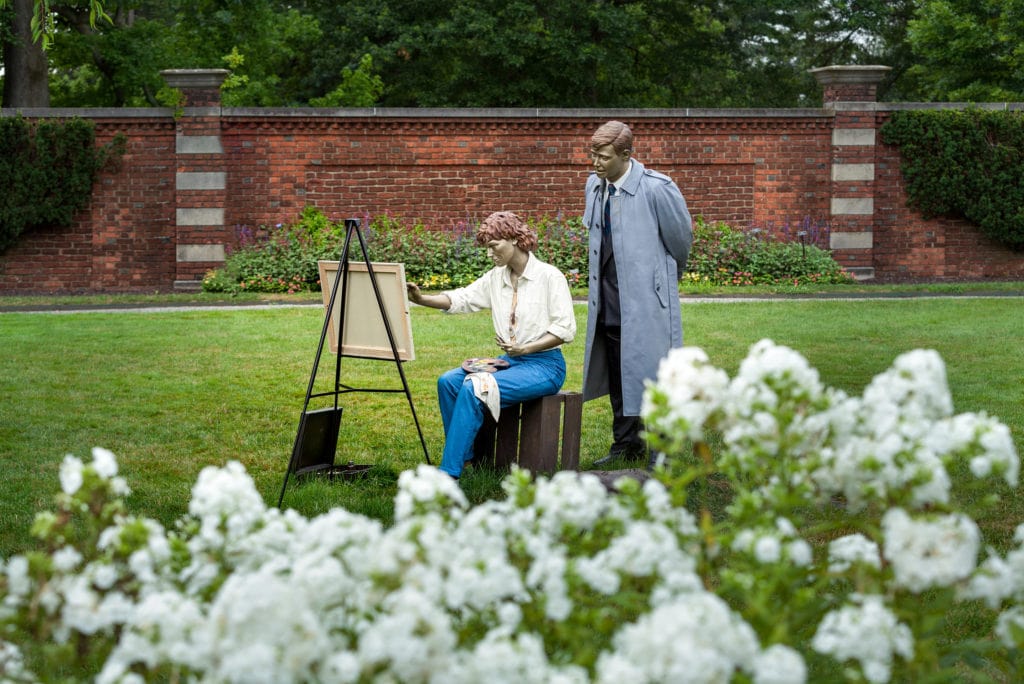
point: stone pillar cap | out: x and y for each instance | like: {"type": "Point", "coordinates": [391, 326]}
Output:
{"type": "Point", "coordinates": [194, 78]}
{"type": "Point", "coordinates": [855, 73]}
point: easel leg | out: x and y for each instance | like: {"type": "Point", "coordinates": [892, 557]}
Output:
{"type": "Point", "coordinates": [352, 229]}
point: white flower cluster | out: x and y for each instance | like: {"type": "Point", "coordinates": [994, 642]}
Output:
{"type": "Point", "coordinates": [695, 638]}
{"type": "Point", "coordinates": [999, 580]}
{"type": "Point", "coordinates": [103, 465]}
{"type": "Point", "coordinates": [782, 543]}
{"type": "Point", "coordinates": [926, 553]}
{"type": "Point", "coordinates": [894, 445]}
{"type": "Point", "coordinates": [868, 632]}
{"type": "Point", "coordinates": [766, 408]}
{"type": "Point", "coordinates": [561, 581]}
{"type": "Point", "coordinates": [12, 665]}
{"type": "Point", "coordinates": [850, 550]}
{"type": "Point", "coordinates": [447, 594]}
{"type": "Point", "coordinates": [689, 389]}
{"type": "Point", "coordinates": [789, 443]}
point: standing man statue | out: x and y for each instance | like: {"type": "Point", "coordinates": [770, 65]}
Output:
{"type": "Point", "coordinates": [640, 237]}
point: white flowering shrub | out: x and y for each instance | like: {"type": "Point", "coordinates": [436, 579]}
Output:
{"type": "Point", "coordinates": [848, 536]}
{"type": "Point", "coordinates": [851, 532]}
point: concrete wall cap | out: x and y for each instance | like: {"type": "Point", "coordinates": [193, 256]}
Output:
{"type": "Point", "coordinates": [194, 78]}
{"type": "Point", "coordinates": [868, 73]}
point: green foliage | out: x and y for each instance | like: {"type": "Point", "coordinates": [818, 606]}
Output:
{"type": "Point", "coordinates": [358, 88]}
{"type": "Point", "coordinates": [434, 259]}
{"type": "Point", "coordinates": [722, 255]}
{"type": "Point", "coordinates": [966, 164]}
{"type": "Point", "coordinates": [451, 258]}
{"type": "Point", "coordinates": [524, 53]}
{"type": "Point", "coordinates": [268, 45]}
{"type": "Point", "coordinates": [44, 11]}
{"type": "Point", "coordinates": [47, 171]}
{"type": "Point", "coordinates": [532, 53]}
{"type": "Point", "coordinates": [284, 259]}
{"type": "Point", "coordinates": [487, 53]}
{"type": "Point", "coordinates": [110, 64]}
{"type": "Point", "coordinates": [281, 259]}
{"type": "Point", "coordinates": [564, 243]}
{"type": "Point", "coordinates": [966, 50]}
{"type": "Point", "coordinates": [172, 98]}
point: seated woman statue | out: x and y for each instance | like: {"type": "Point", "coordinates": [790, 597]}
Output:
{"type": "Point", "coordinates": [531, 308]}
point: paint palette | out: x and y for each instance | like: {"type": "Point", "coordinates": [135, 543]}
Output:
{"type": "Point", "coordinates": [484, 365]}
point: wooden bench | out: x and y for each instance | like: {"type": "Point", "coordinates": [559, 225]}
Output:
{"type": "Point", "coordinates": [530, 433]}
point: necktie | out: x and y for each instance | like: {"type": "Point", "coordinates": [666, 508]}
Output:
{"type": "Point", "coordinates": [607, 225]}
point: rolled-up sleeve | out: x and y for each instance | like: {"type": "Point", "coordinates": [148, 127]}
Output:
{"type": "Point", "coordinates": [544, 302]}
{"type": "Point", "coordinates": [474, 297]}
{"type": "Point", "coordinates": [563, 318]}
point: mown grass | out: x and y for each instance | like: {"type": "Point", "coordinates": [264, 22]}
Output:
{"type": "Point", "coordinates": [77, 301]}
{"type": "Point", "coordinates": [173, 391]}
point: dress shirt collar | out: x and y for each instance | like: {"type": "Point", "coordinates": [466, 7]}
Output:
{"type": "Point", "coordinates": [622, 179]}
{"type": "Point", "coordinates": [529, 271]}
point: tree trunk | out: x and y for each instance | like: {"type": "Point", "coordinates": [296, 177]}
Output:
{"type": "Point", "coordinates": [26, 81]}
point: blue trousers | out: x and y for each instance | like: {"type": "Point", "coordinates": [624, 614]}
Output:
{"type": "Point", "coordinates": [527, 377]}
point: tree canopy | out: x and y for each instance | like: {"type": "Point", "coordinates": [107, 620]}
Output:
{"type": "Point", "coordinates": [969, 50]}
{"type": "Point", "coordinates": [511, 53]}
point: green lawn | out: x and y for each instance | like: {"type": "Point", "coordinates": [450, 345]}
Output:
{"type": "Point", "coordinates": [171, 392]}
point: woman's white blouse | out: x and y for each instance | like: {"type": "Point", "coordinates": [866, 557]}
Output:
{"type": "Point", "coordinates": [543, 301]}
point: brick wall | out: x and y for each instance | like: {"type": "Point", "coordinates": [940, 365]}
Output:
{"type": "Point", "coordinates": [172, 208]}
{"type": "Point", "coordinates": [909, 248]}
{"type": "Point", "coordinates": [125, 239]}
{"type": "Point", "coordinates": [446, 170]}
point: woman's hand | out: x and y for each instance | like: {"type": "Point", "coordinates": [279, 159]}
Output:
{"type": "Point", "coordinates": [545, 342]}
{"type": "Point", "coordinates": [436, 301]}
{"type": "Point", "coordinates": [414, 292]}
{"type": "Point", "coordinates": [511, 348]}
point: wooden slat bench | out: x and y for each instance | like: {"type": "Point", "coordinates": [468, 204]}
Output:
{"type": "Point", "coordinates": [530, 434]}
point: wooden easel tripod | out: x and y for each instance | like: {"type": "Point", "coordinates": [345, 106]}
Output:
{"type": "Point", "coordinates": [317, 438]}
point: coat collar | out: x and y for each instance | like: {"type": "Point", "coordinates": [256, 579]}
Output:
{"type": "Point", "coordinates": [631, 184]}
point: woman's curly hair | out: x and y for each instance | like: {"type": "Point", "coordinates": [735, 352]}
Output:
{"type": "Point", "coordinates": [504, 225]}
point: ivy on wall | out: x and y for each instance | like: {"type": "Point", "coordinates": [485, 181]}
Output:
{"type": "Point", "coordinates": [47, 171]}
{"type": "Point", "coordinates": [966, 164]}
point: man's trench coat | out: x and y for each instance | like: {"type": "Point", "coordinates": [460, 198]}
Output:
{"type": "Point", "coordinates": [651, 238]}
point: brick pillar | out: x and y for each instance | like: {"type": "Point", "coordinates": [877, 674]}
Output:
{"type": "Point", "coordinates": [201, 178]}
{"type": "Point", "coordinates": [850, 92]}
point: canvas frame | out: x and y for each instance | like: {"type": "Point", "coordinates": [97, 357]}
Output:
{"type": "Point", "coordinates": [364, 331]}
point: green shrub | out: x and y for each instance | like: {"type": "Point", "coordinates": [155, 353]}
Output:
{"type": "Point", "coordinates": [722, 255]}
{"type": "Point", "coordinates": [445, 258]}
{"type": "Point", "coordinates": [283, 259]}
{"type": "Point", "coordinates": [47, 171]}
{"type": "Point", "coordinates": [965, 164]}
{"type": "Point", "coordinates": [564, 244]}
{"type": "Point", "coordinates": [434, 259]}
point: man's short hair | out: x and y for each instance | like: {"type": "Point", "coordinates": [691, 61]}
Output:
{"type": "Point", "coordinates": [614, 133]}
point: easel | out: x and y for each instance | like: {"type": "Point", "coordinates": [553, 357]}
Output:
{"type": "Point", "coordinates": [317, 438]}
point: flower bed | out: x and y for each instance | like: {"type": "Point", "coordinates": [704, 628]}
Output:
{"type": "Point", "coordinates": [849, 535]}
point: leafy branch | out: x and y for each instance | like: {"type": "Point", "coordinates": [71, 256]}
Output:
{"type": "Point", "coordinates": [42, 23]}
{"type": "Point", "coordinates": [47, 172]}
{"type": "Point", "coordinates": [964, 164]}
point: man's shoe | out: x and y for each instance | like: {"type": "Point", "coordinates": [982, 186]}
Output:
{"type": "Point", "coordinates": [655, 460]}
{"type": "Point", "coordinates": [608, 460]}
{"type": "Point", "coordinates": [628, 456]}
